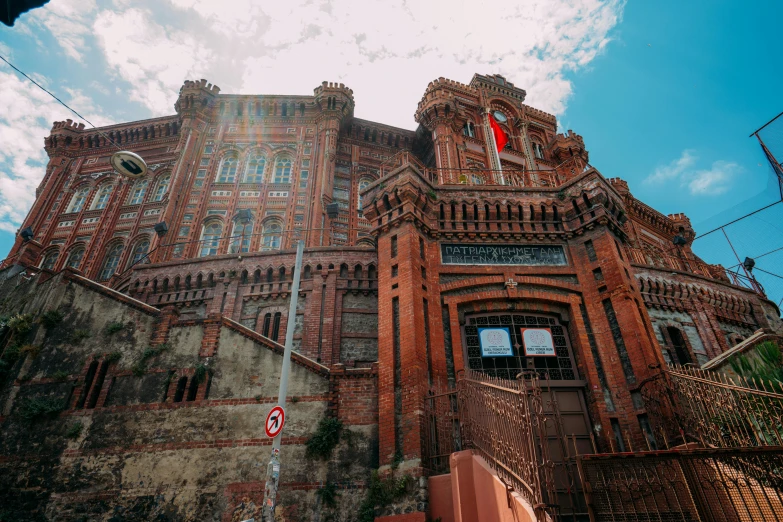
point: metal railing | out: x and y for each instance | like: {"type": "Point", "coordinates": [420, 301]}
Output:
{"type": "Point", "coordinates": [722, 456]}
{"type": "Point", "coordinates": [710, 485]}
{"type": "Point", "coordinates": [513, 177]}
{"type": "Point", "coordinates": [505, 421]}
{"type": "Point", "coordinates": [687, 404]}
{"type": "Point", "coordinates": [694, 266]}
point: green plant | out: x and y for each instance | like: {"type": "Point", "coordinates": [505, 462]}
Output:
{"type": "Point", "coordinates": [140, 367]}
{"type": "Point", "coordinates": [51, 318]}
{"type": "Point", "coordinates": [21, 324]}
{"type": "Point", "coordinates": [74, 430]}
{"type": "Point", "coordinates": [34, 407]}
{"type": "Point", "coordinates": [432, 194]}
{"type": "Point", "coordinates": [114, 327]}
{"type": "Point", "coordinates": [258, 398]}
{"type": "Point", "coordinates": [32, 349]}
{"type": "Point", "coordinates": [113, 357]}
{"type": "Point", "coordinates": [561, 195]}
{"type": "Point", "coordinates": [294, 399]}
{"type": "Point", "coordinates": [60, 376]}
{"type": "Point", "coordinates": [77, 336]}
{"type": "Point", "coordinates": [381, 493]}
{"type": "Point", "coordinates": [325, 439]}
{"type": "Point", "coordinates": [12, 353]}
{"type": "Point", "coordinates": [200, 373]}
{"type": "Point", "coordinates": [767, 368]}
{"type": "Point", "coordinates": [328, 494]}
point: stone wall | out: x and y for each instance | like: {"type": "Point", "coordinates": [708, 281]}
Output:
{"type": "Point", "coordinates": [137, 435]}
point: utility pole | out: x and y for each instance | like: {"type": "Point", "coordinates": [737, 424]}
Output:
{"type": "Point", "coordinates": [273, 469]}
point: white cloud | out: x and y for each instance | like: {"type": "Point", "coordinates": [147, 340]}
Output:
{"type": "Point", "coordinates": [705, 182]}
{"type": "Point", "coordinates": [714, 181]}
{"type": "Point", "coordinates": [25, 121]}
{"type": "Point", "coordinates": [153, 59]}
{"type": "Point", "coordinates": [68, 21]}
{"type": "Point", "coordinates": [673, 170]}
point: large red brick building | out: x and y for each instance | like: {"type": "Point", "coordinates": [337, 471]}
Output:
{"type": "Point", "coordinates": [438, 238]}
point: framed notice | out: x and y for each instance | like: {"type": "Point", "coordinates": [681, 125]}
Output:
{"type": "Point", "coordinates": [538, 342]}
{"type": "Point", "coordinates": [495, 342]}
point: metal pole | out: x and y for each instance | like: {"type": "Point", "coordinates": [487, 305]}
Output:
{"type": "Point", "coordinates": [273, 469]}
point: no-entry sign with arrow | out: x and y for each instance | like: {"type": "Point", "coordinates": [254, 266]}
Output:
{"type": "Point", "coordinates": [275, 421]}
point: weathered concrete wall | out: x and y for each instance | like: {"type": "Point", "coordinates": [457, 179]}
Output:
{"type": "Point", "coordinates": [127, 445]}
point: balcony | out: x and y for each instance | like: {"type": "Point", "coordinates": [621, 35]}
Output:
{"type": "Point", "coordinates": [472, 176]}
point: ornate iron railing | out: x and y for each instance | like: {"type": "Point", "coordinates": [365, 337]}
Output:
{"type": "Point", "coordinates": [687, 404]}
{"type": "Point", "coordinates": [511, 424]}
{"type": "Point", "coordinates": [731, 485]}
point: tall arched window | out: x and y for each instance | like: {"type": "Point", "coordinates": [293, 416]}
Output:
{"type": "Point", "coordinates": [228, 170]}
{"type": "Point", "coordinates": [75, 258]}
{"type": "Point", "coordinates": [111, 262]}
{"type": "Point", "coordinates": [254, 172]}
{"type": "Point", "coordinates": [538, 150]}
{"type": "Point", "coordinates": [363, 183]}
{"type": "Point", "coordinates": [210, 237]}
{"type": "Point", "coordinates": [273, 233]}
{"type": "Point", "coordinates": [283, 170]}
{"type": "Point", "coordinates": [102, 199]}
{"type": "Point", "coordinates": [78, 200]}
{"type": "Point", "coordinates": [240, 237]}
{"type": "Point", "coordinates": [139, 190]}
{"type": "Point", "coordinates": [50, 259]}
{"type": "Point", "coordinates": [469, 130]}
{"type": "Point", "coordinates": [140, 251]}
{"type": "Point", "coordinates": [162, 188]}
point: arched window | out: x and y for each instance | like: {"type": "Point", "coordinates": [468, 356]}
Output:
{"type": "Point", "coordinates": [240, 237]}
{"type": "Point", "coordinates": [538, 150]}
{"type": "Point", "coordinates": [139, 190]}
{"type": "Point", "coordinates": [50, 259]}
{"type": "Point", "coordinates": [162, 188]}
{"type": "Point", "coordinates": [273, 233]}
{"type": "Point", "coordinates": [228, 170]}
{"type": "Point", "coordinates": [111, 262]}
{"type": "Point", "coordinates": [78, 200]}
{"type": "Point", "coordinates": [140, 251]}
{"type": "Point", "coordinates": [469, 130]}
{"type": "Point", "coordinates": [283, 170]}
{"type": "Point", "coordinates": [102, 199]}
{"type": "Point", "coordinates": [363, 183]}
{"type": "Point", "coordinates": [254, 172]}
{"type": "Point", "coordinates": [210, 237]}
{"type": "Point", "coordinates": [75, 258]}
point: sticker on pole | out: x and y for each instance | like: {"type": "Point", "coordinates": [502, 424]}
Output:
{"type": "Point", "coordinates": [274, 422]}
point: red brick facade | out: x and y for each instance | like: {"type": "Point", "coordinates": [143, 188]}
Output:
{"type": "Point", "coordinates": [377, 299]}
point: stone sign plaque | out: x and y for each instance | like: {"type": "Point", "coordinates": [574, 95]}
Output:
{"type": "Point", "coordinates": [477, 254]}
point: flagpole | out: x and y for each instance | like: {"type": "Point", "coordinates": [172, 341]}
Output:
{"type": "Point", "coordinates": [494, 155]}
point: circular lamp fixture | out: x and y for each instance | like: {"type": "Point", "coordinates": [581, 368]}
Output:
{"type": "Point", "coordinates": [129, 164]}
{"type": "Point", "coordinates": [749, 263]}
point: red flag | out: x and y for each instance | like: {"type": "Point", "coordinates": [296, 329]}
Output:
{"type": "Point", "coordinates": [501, 138]}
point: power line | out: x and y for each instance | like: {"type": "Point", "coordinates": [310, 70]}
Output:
{"type": "Point", "coordinates": [15, 68]}
{"type": "Point", "coordinates": [768, 273]}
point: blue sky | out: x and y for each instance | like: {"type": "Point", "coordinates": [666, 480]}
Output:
{"type": "Point", "coordinates": [665, 93]}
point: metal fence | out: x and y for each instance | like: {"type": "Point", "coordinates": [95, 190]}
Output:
{"type": "Point", "coordinates": [515, 426]}
{"type": "Point", "coordinates": [688, 404]}
{"type": "Point", "coordinates": [731, 485]}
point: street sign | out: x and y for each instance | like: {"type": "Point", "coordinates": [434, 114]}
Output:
{"type": "Point", "coordinates": [128, 164]}
{"type": "Point", "coordinates": [274, 422]}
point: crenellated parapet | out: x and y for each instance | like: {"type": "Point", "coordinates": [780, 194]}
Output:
{"type": "Point", "coordinates": [195, 97]}
{"type": "Point", "coordinates": [335, 100]}
{"type": "Point", "coordinates": [74, 139]}
{"type": "Point", "coordinates": [569, 153]}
